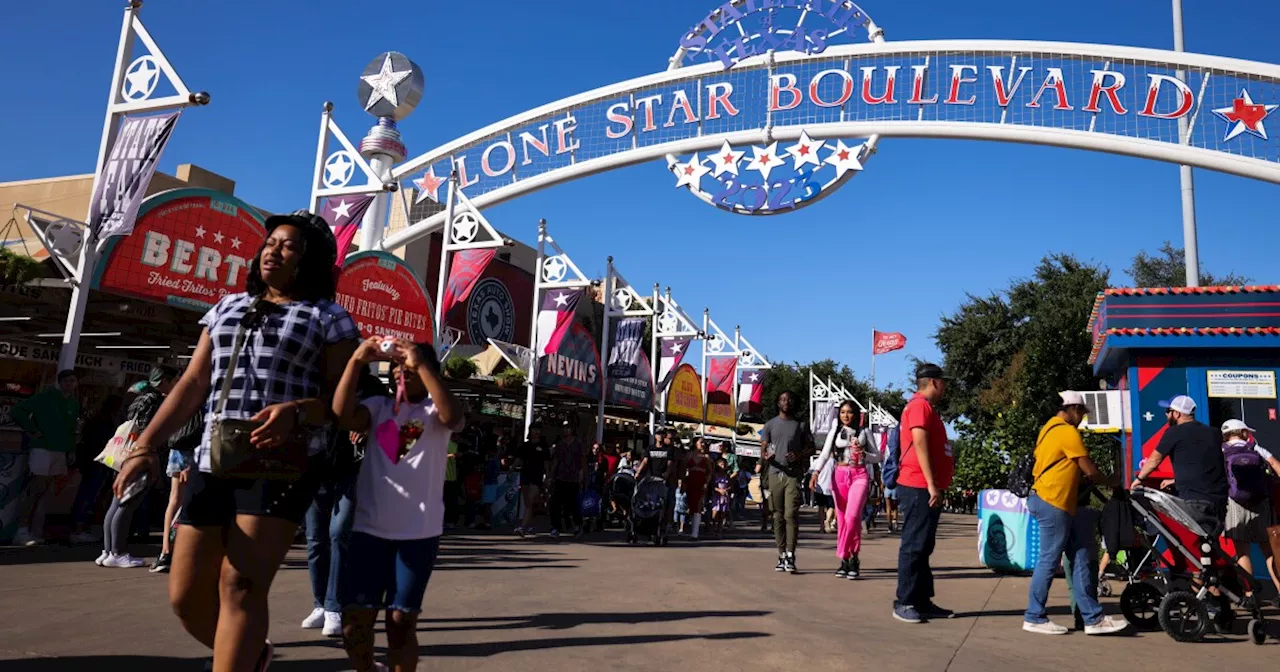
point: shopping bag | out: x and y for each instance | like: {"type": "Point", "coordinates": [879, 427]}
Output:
{"type": "Point", "coordinates": [118, 448]}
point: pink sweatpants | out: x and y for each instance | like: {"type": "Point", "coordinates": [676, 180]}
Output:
{"type": "Point", "coordinates": [850, 495]}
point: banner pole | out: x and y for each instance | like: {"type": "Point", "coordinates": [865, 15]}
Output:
{"type": "Point", "coordinates": [445, 233]}
{"type": "Point", "coordinates": [706, 337]}
{"type": "Point", "coordinates": [873, 359]}
{"type": "Point", "coordinates": [653, 362]}
{"type": "Point", "coordinates": [533, 328]}
{"type": "Point", "coordinates": [604, 349]}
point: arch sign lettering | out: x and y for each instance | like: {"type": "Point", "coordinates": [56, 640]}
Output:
{"type": "Point", "coordinates": [766, 106]}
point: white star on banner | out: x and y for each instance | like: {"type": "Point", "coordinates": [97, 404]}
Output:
{"type": "Point", "coordinates": [690, 174]}
{"type": "Point", "coordinates": [844, 158]}
{"type": "Point", "coordinates": [560, 300]}
{"type": "Point", "coordinates": [806, 150]}
{"type": "Point", "coordinates": [726, 160]}
{"type": "Point", "coordinates": [343, 211]}
{"type": "Point", "coordinates": [235, 243]}
{"type": "Point", "coordinates": [676, 347]}
{"type": "Point", "coordinates": [755, 377]}
{"type": "Point", "coordinates": [199, 232]}
{"type": "Point", "coordinates": [384, 84]}
{"type": "Point", "coordinates": [1148, 416]}
{"type": "Point", "coordinates": [429, 185]}
{"type": "Point", "coordinates": [766, 159]}
{"type": "Point", "coordinates": [217, 236]}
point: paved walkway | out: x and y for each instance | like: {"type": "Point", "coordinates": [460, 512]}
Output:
{"type": "Point", "coordinates": [500, 603]}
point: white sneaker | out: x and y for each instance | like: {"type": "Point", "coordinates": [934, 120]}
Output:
{"type": "Point", "coordinates": [102, 559]}
{"type": "Point", "coordinates": [332, 624]}
{"type": "Point", "coordinates": [314, 620]}
{"type": "Point", "coordinates": [23, 538]}
{"type": "Point", "coordinates": [1108, 625]}
{"type": "Point", "coordinates": [83, 538]}
{"type": "Point", "coordinates": [123, 561]}
{"type": "Point", "coordinates": [1046, 628]}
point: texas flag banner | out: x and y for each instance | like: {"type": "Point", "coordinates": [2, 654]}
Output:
{"type": "Point", "coordinates": [673, 349]}
{"type": "Point", "coordinates": [722, 373]}
{"type": "Point", "coordinates": [344, 214]}
{"type": "Point", "coordinates": [750, 391]}
{"type": "Point", "coordinates": [887, 341]}
{"type": "Point", "coordinates": [555, 316]}
{"type": "Point", "coordinates": [468, 266]}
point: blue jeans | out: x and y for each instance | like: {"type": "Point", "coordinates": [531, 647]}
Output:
{"type": "Point", "coordinates": [388, 573]}
{"type": "Point", "coordinates": [919, 536]}
{"type": "Point", "coordinates": [1061, 532]}
{"type": "Point", "coordinates": [329, 522]}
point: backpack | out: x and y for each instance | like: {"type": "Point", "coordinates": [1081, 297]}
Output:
{"type": "Point", "coordinates": [1022, 478]}
{"type": "Point", "coordinates": [1246, 481]}
{"type": "Point", "coordinates": [892, 458]}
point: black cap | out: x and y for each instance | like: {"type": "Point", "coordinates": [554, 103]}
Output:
{"type": "Point", "coordinates": [315, 230]}
{"type": "Point", "coordinates": [932, 371]}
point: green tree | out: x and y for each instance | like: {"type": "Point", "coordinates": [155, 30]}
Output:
{"type": "Point", "coordinates": [1167, 268]}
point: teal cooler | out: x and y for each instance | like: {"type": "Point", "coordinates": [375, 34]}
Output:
{"type": "Point", "coordinates": [1008, 537]}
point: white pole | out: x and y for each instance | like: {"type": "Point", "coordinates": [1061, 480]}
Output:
{"type": "Point", "coordinates": [604, 352]}
{"type": "Point", "coordinates": [533, 329]}
{"type": "Point", "coordinates": [89, 253]}
{"type": "Point", "coordinates": [375, 218]}
{"type": "Point", "coordinates": [322, 146]}
{"type": "Point", "coordinates": [654, 356]}
{"type": "Point", "coordinates": [668, 306]}
{"type": "Point", "coordinates": [1190, 242]}
{"type": "Point", "coordinates": [873, 359]}
{"type": "Point", "coordinates": [702, 391]}
{"type": "Point", "coordinates": [445, 234]}
{"type": "Point", "coordinates": [733, 384]}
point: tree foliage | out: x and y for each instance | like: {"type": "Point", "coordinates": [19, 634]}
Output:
{"type": "Point", "coordinates": [794, 378]}
{"type": "Point", "coordinates": [1167, 268]}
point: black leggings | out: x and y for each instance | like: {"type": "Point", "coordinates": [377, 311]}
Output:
{"type": "Point", "coordinates": [564, 506]}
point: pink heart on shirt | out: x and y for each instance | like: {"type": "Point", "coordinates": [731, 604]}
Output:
{"type": "Point", "coordinates": [388, 436]}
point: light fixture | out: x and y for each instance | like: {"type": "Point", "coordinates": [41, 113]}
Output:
{"type": "Point", "coordinates": [99, 334]}
{"type": "Point", "coordinates": [132, 347]}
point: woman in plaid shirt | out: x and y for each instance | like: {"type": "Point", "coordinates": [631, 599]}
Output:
{"type": "Point", "coordinates": [238, 530]}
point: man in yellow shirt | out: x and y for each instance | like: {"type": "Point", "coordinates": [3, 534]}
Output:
{"type": "Point", "coordinates": [1061, 458]}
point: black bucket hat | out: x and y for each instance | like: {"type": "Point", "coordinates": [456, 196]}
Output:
{"type": "Point", "coordinates": [315, 230]}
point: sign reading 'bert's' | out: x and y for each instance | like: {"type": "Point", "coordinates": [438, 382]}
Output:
{"type": "Point", "coordinates": [189, 248]}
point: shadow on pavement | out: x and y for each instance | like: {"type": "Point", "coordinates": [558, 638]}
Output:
{"type": "Point", "coordinates": [564, 621]}
{"type": "Point", "coordinates": [486, 649]}
{"type": "Point", "coordinates": [157, 664]}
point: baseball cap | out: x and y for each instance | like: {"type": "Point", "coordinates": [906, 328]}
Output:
{"type": "Point", "coordinates": [1072, 398]}
{"type": "Point", "coordinates": [315, 230]}
{"type": "Point", "coordinates": [933, 371]}
{"type": "Point", "coordinates": [1181, 403]}
{"type": "Point", "coordinates": [1236, 426]}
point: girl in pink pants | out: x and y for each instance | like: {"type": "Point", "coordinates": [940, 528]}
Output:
{"type": "Point", "coordinates": [852, 454]}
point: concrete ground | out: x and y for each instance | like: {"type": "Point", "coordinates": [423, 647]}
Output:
{"type": "Point", "coordinates": [500, 603]}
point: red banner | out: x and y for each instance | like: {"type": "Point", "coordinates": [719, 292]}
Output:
{"type": "Point", "coordinates": [384, 297]}
{"type": "Point", "coordinates": [188, 248]}
{"type": "Point", "coordinates": [466, 269]}
{"type": "Point", "coordinates": [887, 341]}
{"type": "Point", "coordinates": [721, 375]}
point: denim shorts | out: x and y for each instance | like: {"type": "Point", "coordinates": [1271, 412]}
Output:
{"type": "Point", "coordinates": [179, 460]}
{"type": "Point", "coordinates": [382, 573]}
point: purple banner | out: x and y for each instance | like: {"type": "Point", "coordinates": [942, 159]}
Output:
{"type": "Point", "coordinates": [123, 181]}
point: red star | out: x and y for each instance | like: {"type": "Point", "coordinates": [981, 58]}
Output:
{"type": "Point", "coordinates": [728, 159]}
{"type": "Point", "coordinates": [844, 155]}
{"type": "Point", "coordinates": [1249, 114]}
{"type": "Point", "coordinates": [764, 159]}
{"type": "Point", "coordinates": [688, 170]}
{"type": "Point", "coordinates": [804, 150]}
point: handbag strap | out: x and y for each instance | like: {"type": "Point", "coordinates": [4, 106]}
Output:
{"type": "Point", "coordinates": [221, 404]}
{"type": "Point", "coordinates": [1034, 477]}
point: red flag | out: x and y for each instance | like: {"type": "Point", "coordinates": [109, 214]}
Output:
{"type": "Point", "coordinates": [720, 379]}
{"type": "Point", "coordinates": [344, 215]}
{"type": "Point", "coordinates": [887, 341]}
{"type": "Point", "coordinates": [468, 266]}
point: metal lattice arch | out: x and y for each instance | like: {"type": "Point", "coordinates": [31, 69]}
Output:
{"type": "Point", "coordinates": [1202, 146]}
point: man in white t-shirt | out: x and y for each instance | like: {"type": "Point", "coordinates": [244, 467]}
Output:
{"type": "Point", "coordinates": [399, 513]}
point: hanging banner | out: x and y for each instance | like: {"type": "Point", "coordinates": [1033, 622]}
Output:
{"type": "Point", "coordinates": [684, 396]}
{"type": "Point", "coordinates": [625, 353]}
{"type": "Point", "coordinates": [122, 184]}
{"type": "Point", "coordinates": [750, 391]}
{"type": "Point", "coordinates": [344, 214]}
{"type": "Point", "coordinates": [634, 391]}
{"type": "Point", "coordinates": [574, 366]}
{"type": "Point", "coordinates": [673, 349]}
{"type": "Point", "coordinates": [385, 297]}
{"type": "Point", "coordinates": [824, 417]}
{"type": "Point", "coordinates": [189, 248]}
{"type": "Point", "coordinates": [721, 375]}
{"type": "Point", "coordinates": [466, 269]}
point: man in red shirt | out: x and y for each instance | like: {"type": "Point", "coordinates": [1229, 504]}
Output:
{"type": "Point", "coordinates": [925, 473]}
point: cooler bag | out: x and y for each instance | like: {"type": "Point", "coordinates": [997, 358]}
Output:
{"type": "Point", "coordinates": [1008, 537]}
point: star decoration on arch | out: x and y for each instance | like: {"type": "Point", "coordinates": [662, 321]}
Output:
{"type": "Point", "coordinates": [383, 84]}
{"type": "Point", "coordinates": [141, 79]}
{"type": "Point", "coordinates": [690, 174]}
{"type": "Point", "coordinates": [844, 158]}
{"type": "Point", "coordinates": [806, 151]}
{"type": "Point", "coordinates": [1245, 116]}
{"type": "Point", "coordinates": [726, 160]}
{"type": "Point", "coordinates": [765, 160]}
{"type": "Point", "coordinates": [429, 186]}
{"type": "Point", "coordinates": [338, 170]}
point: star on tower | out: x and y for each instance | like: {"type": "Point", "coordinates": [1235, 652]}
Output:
{"type": "Point", "coordinates": [383, 84]}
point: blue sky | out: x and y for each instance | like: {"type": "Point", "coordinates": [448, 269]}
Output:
{"type": "Point", "coordinates": [897, 247]}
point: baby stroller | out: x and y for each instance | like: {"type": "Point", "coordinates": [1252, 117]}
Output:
{"type": "Point", "coordinates": [1193, 562]}
{"type": "Point", "coordinates": [589, 507]}
{"type": "Point", "coordinates": [649, 512]}
{"type": "Point", "coordinates": [621, 487]}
